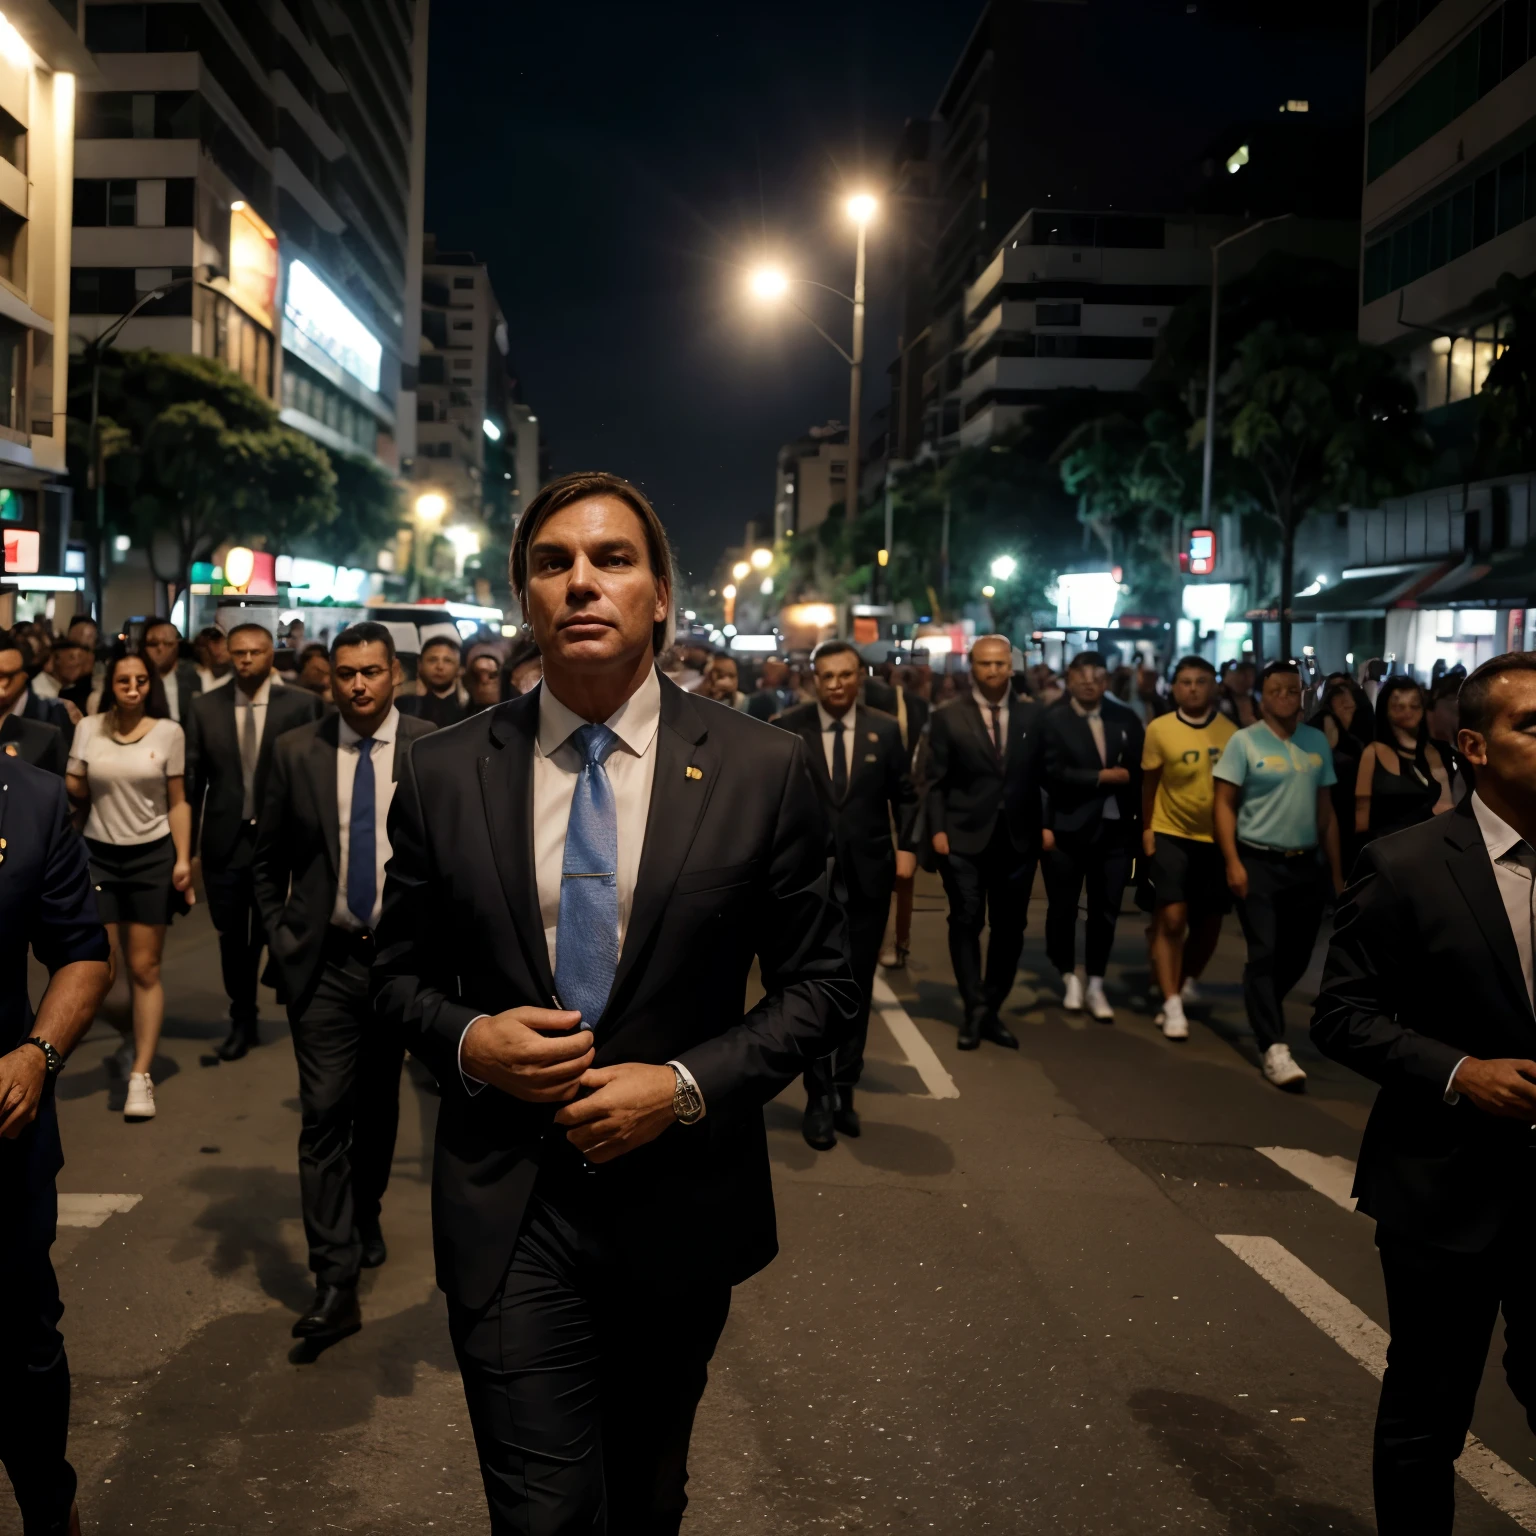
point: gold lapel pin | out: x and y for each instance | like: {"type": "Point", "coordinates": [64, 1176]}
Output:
{"type": "Point", "coordinates": [873, 736]}
{"type": "Point", "coordinates": [690, 772]}
{"type": "Point", "coordinates": [10, 749]}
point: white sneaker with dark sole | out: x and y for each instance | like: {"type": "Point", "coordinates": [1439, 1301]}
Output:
{"type": "Point", "coordinates": [140, 1104]}
{"type": "Point", "coordinates": [1098, 1004]}
{"type": "Point", "coordinates": [1280, 1068]}
{"type": "Point", "coordinates": [1175, 1025]}
{"type": "Point", "coordinates": [1072, 993]}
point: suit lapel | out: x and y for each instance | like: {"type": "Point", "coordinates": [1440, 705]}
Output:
{"type": "Point", "coordinates": [322, 772]}
{"type": "Point", "coordinates": [1472, 870]}
{"type": "Point", "coordinates": [506, 788]}
{"type": "Point", "coordinates": [859, 745]}
{"type": "Point", "coordinates": [678, 802]}
{"type": "Point", "coordinates": [810, 734]}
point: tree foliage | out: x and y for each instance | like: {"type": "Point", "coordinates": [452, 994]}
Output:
{"type": "Point", "coordinates": [368, 510]}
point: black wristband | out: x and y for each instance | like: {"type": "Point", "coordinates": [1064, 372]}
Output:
{"type": "Point", "coordinates": [55, 1062]}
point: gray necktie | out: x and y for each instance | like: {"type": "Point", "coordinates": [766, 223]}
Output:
{"type": "Point", "coordinates": [248, 751]}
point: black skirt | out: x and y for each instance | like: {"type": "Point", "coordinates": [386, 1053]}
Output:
{"type": "Point", "coordinates": [133, 880]}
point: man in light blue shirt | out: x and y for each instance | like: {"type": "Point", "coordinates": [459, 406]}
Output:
{"type": "Point", "coordinates": [1273, 818]}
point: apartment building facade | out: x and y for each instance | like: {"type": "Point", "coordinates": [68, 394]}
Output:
{"type": "Point", "coordinates": [811, 477]}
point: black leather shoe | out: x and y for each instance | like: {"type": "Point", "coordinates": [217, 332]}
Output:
{"type": "Point", "coordinates": [374, 1251]}
{"type": "Point", "coordinates": [332, 1315]}
{"type": "Point", "coordinates": [845, 1118]}
{"type": "Point", "coordinates": [240, 1039]}
{"type": "Point", "coordinates": [999, 1033]}
{"type": "Point", "coordinates": [970, 1031]}
{"type": "Point", "coordinates": [817, 1126]}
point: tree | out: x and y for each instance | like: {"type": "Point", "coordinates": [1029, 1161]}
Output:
{"type": "Point", "coordinates": [368, 511]}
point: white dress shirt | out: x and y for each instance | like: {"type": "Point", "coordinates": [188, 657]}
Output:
{"type": "Point", "coordinates": [44, 685]}
{"type": "Point", "coordinates": [1514, 880]}
{"type": "Point", "coordinates": [829, 724]}
{"type": "Point", "coordinates": [986, 706]}
{"type": "Point", "coordinates": [383, 792]}
{"type": "Point", "coordinates": [1095, 719]}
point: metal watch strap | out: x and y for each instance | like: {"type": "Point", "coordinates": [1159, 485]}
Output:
{"type": "Point", "coordinates": [687, 1101]}
{"type": "Point", "coordinates": [50, 1054]}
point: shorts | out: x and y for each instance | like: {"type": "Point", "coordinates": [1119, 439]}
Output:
{"type": "Point", "coordinates": [1182, 869]}
{"type": "Point", "coordinates": [133, 880]}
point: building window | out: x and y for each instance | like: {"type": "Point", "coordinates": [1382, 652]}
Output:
{"type": "Point", "coordinates": [13, 383]}
{"type": "Point", "coordinates": [1392, 21]}
{"type": "Point", "coordinates": [463, 325]}
{"type": "Point", "coordinates": [13, 248]}
{"type": "Point", "coordinates": [1058, 314]}
{"type": "Point", "coordinates": [463, 282]}
{"type": "Point", "coordinates": [1456, 368]}
{"type": "Point", "coordinates": [181, 202]}
{"type": "Point", "coordinates": [13, 141]}
{"type": "Point", "coordinates": [122, 202]}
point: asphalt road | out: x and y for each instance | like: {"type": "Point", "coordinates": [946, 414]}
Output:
{"type": "Point", "coordinates": [1007, 1308]}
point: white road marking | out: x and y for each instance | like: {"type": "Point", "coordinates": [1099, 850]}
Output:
{"type": "Point", "coordinates": [1330, 1176]}
{"type": "Point", "coordinates": [1366, 1341]}
{"type": "Point", "coordinates": [92, 1210]}
{"type": "Point", "coordinates": [909, 1037]}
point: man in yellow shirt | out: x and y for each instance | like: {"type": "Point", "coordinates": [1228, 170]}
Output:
{"type": "Point", "coordinates": [1183, 869]}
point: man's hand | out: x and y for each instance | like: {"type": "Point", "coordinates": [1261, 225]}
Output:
{"type": "Point", "coordinates": [1148, 841]}
{"type": "Point", "coordinates": [1237, 879]}
{"type": "Point", "coordinates": [1047, 839]}
{"type": "Point", "coordinates": [23, 1072]}
{"type": "Point", "coordinates": [626, 1106]}
{"type": "Point", "coordinates": [1506, 1088]}
{"type": "Point", "coordinates": [941, 844]}
{"type": "Point", "coordinates": [529, 1053]}
{"type": "Point", "coordinates": [906, 864]}
{"type": "Point", "coordinates": [1114, 775]}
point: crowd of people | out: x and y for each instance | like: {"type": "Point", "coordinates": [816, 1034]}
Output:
{"type": "Point", "coordinates": [546, 868]}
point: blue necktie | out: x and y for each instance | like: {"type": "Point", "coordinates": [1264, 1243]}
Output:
{"type": "Point", "coordinates": [587, 939]}
{"type": "Point", "coordinates": [362, 878]}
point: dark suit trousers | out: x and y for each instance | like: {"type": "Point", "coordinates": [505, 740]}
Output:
{"type": "Point", "coordinates": [1442, 1307]}
{"type": "Point", "coordinates": [867, 917]}
{"type": "Point", "coordinates": [583, 1374]}
{"type": "Point", "coordinates": [989, 889]}
{"type": "Point", "coordinates": [1280, 916]}
{"type": "Point", "coordinates": [231, 892]}
{"type": "Point", "coordinates": [34, 1373]}
{"type": "Point", "coordinates": [1101, 861]}
{"type": "Point", "coordinates": [349, 1096]}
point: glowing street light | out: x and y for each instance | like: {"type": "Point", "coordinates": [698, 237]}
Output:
{"type": "Point", "coordinates": [239, 566]}
{"type": "Point", "coordinates": [1004, 567]}
{"type": "Point", "coordinates": [989, 591]}
{"type": "Point", "coordinates": [761, 559]}
{"type": "Point", "coordinates": [728, 592]}
{"type": "Point", "coordinates": [861, 207]}
{"type": "Point", "coordinates": [768, 283]}
{"type": "Point", "coordinates": [741, 570]}
{"type": "Point", "coordinates": [430, 506]}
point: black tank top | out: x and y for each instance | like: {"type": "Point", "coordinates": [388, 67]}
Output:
{"type": "Point", "coordinates": [1405, 798]}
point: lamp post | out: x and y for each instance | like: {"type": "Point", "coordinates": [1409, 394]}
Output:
{"type": "Point", "coordinates": [430, 508]}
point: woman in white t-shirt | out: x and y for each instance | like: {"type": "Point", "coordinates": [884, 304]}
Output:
{"type": "Point", "coordinates": [127, 791]}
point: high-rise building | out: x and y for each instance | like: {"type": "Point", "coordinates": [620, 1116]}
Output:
{"type": "Point", "coordinates": [255, 161]}
{"type": "Point", "coordinates": [812, 478]}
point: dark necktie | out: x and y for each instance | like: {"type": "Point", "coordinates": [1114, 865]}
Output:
{"type": "Point", "coordinates": [362, 873]}
{"type": "Point", "coordinates": [839, 761]}
{"type": "Point", "coordinates": [997, 728]}
{"type": "Point", "coordinates": [249, 748]}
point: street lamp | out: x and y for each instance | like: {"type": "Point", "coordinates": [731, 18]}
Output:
{"type": "Point", "coordinates": [430, 508]}
{"type": "Point", "coordinates": [761, 559]}
{"type": "Point", "coordinates": [1004, 566]}
{"type": "Point", "coordinates": [741, 570]}
{"type": "Point", "coordinates": [989, 591]}
{"type": "Point", "coordinates": [728, 592]}
{"type": "Point", "coordinates": [769, 283]}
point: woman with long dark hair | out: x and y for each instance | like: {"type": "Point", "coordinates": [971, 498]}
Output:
{"type": "Point", "coordinates": [1402, 779]}
{"type": "Point", "coordinates": [1343, 715]}
{"type": "Point", "coordinates": [126, 788]}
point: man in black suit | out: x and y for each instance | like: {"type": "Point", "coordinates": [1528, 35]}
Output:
{"type": "Point", "coordinates": [774, 695]}
{"type": "Point", "coordinates": [20, 705]}
{"type": "Point", "coordinates": [179, 678]}
{"type": "Point", "coordinates": [230, 735]}
{"type": "Point", "coordinates": [605, 852]}
{"type": "Point", "coordinates": [1428, 992]}
{"type": "Point", "coordinates": [984, 822]}
{"type": "Point", "coordinates": [860, 769]}
{"type": "Point", "coordinates": [33, 742]}
{"type": "Point", "coordinates": [1093, 778]}
{"type": "Point", "coordinates": [443, 699]}
{"type": "Point", "coordinates": [320, 855]}
{"type": "Point", "coordinates": [46, 904]}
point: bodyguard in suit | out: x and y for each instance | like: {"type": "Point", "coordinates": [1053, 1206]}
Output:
{"type": "Point", "coordinates": [581, 878]}
{"type": "Point", "coordinates": [983, 785]}
{"type": "Point", "coordinates": [19, 704]}
{"type": "Point", "coordinates": [33, 742]}
{"type": "Point", "coordinates": [319, 875]}
{"type": "Point", "coordinates": [179, 678]}
{"type": "Point", "coordinates": [1093, 778]}
{"type": "Point", "coordinates": [860, 769]}
{"type": "Point", "coordinates": [230, 735]}
{"type": "Point", "coordinates": [1428, 992]}
{"type": "Point", "coordinates": [47, 905]}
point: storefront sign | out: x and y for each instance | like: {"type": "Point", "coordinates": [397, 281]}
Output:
{"type": "Point", "coordinates": [253, 267]}
{"type": "Point", "coordinates": [316, 312]}
{"type": "Point", "coordinates": [23, 551]}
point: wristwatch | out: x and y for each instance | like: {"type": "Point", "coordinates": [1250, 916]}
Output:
{"type": "Point", "coordinates": [55, 1062]}
{"type": "Point", "coordinates": [687, 1101]}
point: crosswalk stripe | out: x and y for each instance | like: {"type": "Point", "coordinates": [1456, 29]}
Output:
{"type": "Point", "coordinates": [910, 1038]}
{"type": "Point", "coordinates": [92, 1210]}
{"type": "Point", "coordinates": [1330, 1176]}
{"type": "Point", "coordinates": [1366, 1341]}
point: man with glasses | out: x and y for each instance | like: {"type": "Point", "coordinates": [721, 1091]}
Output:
{"type": "Point", "coordinates": [162, 645]}
{"type": "Point", "coordinates": [230, 733]}
{"type": "Point", "coordinates": [319, 875]}
{"type": "Point", "coordinates": [35, 730]}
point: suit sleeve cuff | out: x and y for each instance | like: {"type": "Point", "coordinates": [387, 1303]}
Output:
{"type": "Point", "coordinates": [1450, 1095]}
{"type": "Point", "coordinates": [472, 1085]}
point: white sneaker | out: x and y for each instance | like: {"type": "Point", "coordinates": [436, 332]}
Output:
{"type": "Point", "coordinates": [1281, 1069]}
{"type": "Point", "coordinates": [1098, 1004]}
{"type": "Point", "coordinates": [1175, 1025]}
{"type": "Point", "coordinates": [889, 958]}
{"type": "Point", "coordinates": [141, 1097]}
{"type": "Point", "coordinates": [1190, 994]}
{"type": "Point", "coordinates": [1072, 993]}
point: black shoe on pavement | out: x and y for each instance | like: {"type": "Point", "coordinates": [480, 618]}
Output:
{"type": "Point", "coordinates": [845, 1117]}
{"type": "Point", "coordinates": [817, 1127]}
{"type": "Point", "coordinates": [332, 1315]}
{"type": "Point", "coordinates": [240, 1039]}
{"type": "Point", "coordinates": [374, 1250]}
{"type": "Point", "coordinates": [970, 1031]}
{"type": "Point", "coordinates": [999, 1034]}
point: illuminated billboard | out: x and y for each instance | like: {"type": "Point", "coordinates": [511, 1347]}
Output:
{"type": "Point", "coordinates": [315, 312]}
{"type": "Point", "coordinates": [23, 551]}
{"type": "Point", "coordinates": [252, 264]}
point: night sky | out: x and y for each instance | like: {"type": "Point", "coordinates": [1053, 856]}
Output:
{"type": "Point", "coordinates": [621, 167]}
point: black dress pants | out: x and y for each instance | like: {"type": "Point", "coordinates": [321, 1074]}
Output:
{"type": "Point", "coordinates": [231, 889]}
{"type": "Point", "coordinates": [1280, 916]}
{"type": "Point", "coordinates": [1442, 1307]}
{"type": "Point", "coordinates": [34, 1372]}
{"type": "Point", "coordinates": [349, 1096]}
{"type": "Point", "coordinates": [583, 1374]}
{"type": "Point", "coordinates": [988, 889]}
{"type": "Point", "coordinates": [1100, 860]}
{"type": "Point", "coordinates": [866, 933]}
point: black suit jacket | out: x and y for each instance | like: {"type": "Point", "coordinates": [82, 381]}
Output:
{"type": "Point", "coordinates": [1422, 971]}
{"type": "Point", "coordinates": [33, 742]}
{"type": "Point", "coordinates": [215, 785]}
{"type": "Point", "coordinates": [879, 788]}
{"type": "Point", "coordinates": [734, 864]}
{"type": "Point", "coordinates": [50, 712]}
{"type": "Point", "coordinates": [298, 846]}
{"type": "Point", "coordinates": [968, 788]}
{"type": "Point", "coordinates": [1072, 766]}
{"type": "Point", "coordinates": [189, 685]}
